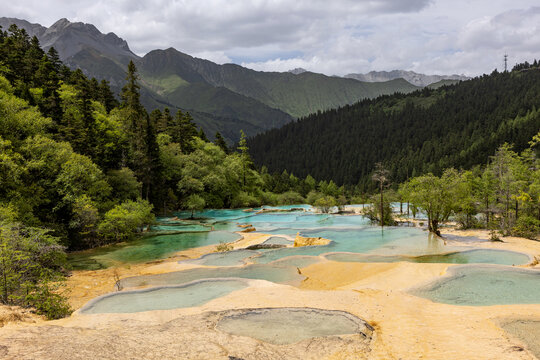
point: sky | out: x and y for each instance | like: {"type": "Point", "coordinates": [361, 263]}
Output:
{"type": "Point", "coordinates": [334, 37]}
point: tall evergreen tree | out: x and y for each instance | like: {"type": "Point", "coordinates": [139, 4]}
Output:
{"type": "Point", "coordinates": [106, 96]}
{"type": "Point", "coordinates": [135, 118]}
{"type": "Point", "coordinates": [220, 141]}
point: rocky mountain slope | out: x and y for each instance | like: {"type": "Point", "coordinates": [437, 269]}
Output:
{"type": "Point", "coordinates": [411, 76]}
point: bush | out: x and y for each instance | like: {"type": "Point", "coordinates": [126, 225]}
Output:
{"type": "Point", "coordinates": [325, 203]}
{"type": "Point", "coordinates": [47, 301]}
{"type": "Point", "coordinates": [243, 199]}
{"type": "Point", "coordinates": [358, 200]}
{"type": "Point", "coordinates": [527, 226]}
{"type": "Point", "coordinates": [31, 264]}
{"type": "Point", "coordinates": [123, 221]}
{"type": "Point", "coordinates": [290, 198]}
{"type": "Point", "coordinates": [268, 198]}
{"type": "Point", "coordinates": [313, 196]}
{"type": "Point", "coordinates": [223, 246]}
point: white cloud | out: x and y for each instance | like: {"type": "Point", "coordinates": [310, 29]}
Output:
{"type": "Point", "coordinates": [333, 37]}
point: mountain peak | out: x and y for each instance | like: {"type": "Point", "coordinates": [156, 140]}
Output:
{"type": "Point", "coordinates": [297, 71]}
{"type": "Point", "coordinates": [60, 24]}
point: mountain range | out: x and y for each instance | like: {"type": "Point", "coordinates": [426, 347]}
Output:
{"type": "Point", "coordinates": [414, 78]}
{"type": "Point", "coordinates": [224, 98]}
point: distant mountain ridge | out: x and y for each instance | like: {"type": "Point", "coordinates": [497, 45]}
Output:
{"type": "Point", "coordinates": [223, 98]}
{"type": "Point", "coordinates": [414, 78]}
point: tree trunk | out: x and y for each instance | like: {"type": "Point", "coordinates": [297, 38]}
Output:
{"type": "Point", "coordinates": [517, 209]}
{"type": "Point", "coordinates": [487, 212]}
{"type": "Point", "coordinates": [434, 227]}
{"type": "Point", "coordinates": [382, 206]}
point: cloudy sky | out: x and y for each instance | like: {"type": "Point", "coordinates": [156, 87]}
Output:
{"type": "Point", "coordinates": [334, 37]}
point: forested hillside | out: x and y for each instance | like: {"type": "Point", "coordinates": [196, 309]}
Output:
{"type": "Point", "coordinates": [426, 131]}
{"type": "Point", "coordinates": [93, 170]}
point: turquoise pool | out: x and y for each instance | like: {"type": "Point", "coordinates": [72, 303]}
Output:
{"type": "Point", "coordinates": [483, 285]}
{"type": "Point", "coordinates": [283, 273]}
{"type": "Point", "coordinates": [162, 298]}
{"type": "Point", "coordinates": [477, 256]}
{"type": "Point", "coordinates": [282, 326]}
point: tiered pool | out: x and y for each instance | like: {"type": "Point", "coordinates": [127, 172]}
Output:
{"type": "Point", "coordinates": [352, 240]}
{"type": "Point", "coordinates": [484, 285]}
{"type": "Point", "coordinates": [162, 298]}
{"type": "Point", "coordinates": [283, 326]}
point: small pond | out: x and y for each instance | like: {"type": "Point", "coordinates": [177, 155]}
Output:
{"type": "Point", "coordinates": [162, 298]}
{"type": "Point", "coordinates": [283, 326]}
{"type": "Point", "coordinates": [483, 285]}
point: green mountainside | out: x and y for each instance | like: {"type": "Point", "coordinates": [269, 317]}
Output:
{"type": "Point", "coordinates": [217, 95]}
{"type": "Point", "coordinates": [297, 95]}
{"type": "Point", "coordinates": [426, 131]}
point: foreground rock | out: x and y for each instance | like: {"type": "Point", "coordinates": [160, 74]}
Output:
{"type": "Point", "coordinates": [189, 337]}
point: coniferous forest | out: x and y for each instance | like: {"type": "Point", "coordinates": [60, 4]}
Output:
{"type": "Point", "coordinates": [427, 131]}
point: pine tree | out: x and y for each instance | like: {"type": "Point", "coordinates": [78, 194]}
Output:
{"type": "Point", "coordinates": [164, 121]}
{"type": "Point", "coordinates": [135, 118]}
{"type": "Point", "coordinates": [220, 141]}
{"type": "Point", "coordinates": [202, 135]}
{"type": "Point", "coordinates": [54, 59]}
{"type": "Point", "coordinates": [244, 156]}
{"type": "Point", "coordinates": [106, 96]}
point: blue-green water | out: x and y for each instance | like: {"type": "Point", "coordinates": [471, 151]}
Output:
{"type": "Point", "coordinates": [228, 258]}
{"type": "Point", "coordinates": [352, 240]}
{"type": "Point", "coordinates": [484, 285]}
{"type": "Point", "coordinates": [289, 325]}
{"type": "Point", "coordinates": [277, 240]}
{"type": "Point", "coordinates": [369, 239]}
{"type": "Point", "coordinates": [349, 234]}
{"type": "Point", "coordinates": [274, 273]}
{"type": "Point", "coordinates": [478, 256]}
{"type": "Point", "coordinates": [163, 298]}
{"type": "Point", "coordinates": [147, 248]}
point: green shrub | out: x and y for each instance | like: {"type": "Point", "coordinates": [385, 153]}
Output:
{"type": "Point", "coordinates": [268, 198]}
{"type": "Point", "coordinates": [243, 199]}
{"type": "Point", "coordinates": [123, 221]}
{"type": "Point", "coordinates": [31, 263]}
{"type": "Point", "coordinates": [325, 203]}
{"type": "Point", "coordinates": [527, 226]}
{"type": "Point", "coordinates": [290, 198]}
{"type": "Point", "coordinates": [223, 246]}
{"type": "Point", "coordinates": [313, 196]}
{"type": "Point", "coordinates": [47, 300]}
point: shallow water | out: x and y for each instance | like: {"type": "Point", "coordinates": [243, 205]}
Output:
{"type": "Point", "coordinates": [390, 241]}
{"type": "Point", "coordinates": [228, 258]}
{"type": "Point", "coordinates": [349, 234]}
{"type": "Point", "coordinates": [484, 285]}
{"type": "Point", "coordinates": [146, 248]}
{"type": "Point", "coordinates": [477, 256]}
{"type": "Point", "coordinates": [163, 298]}
{"type": "Point", "coordinates": [274, 273]}
{"type": "Point", "coordinates": [283, 326]}
{"type": "Point", "coordinates": [278, 240]}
